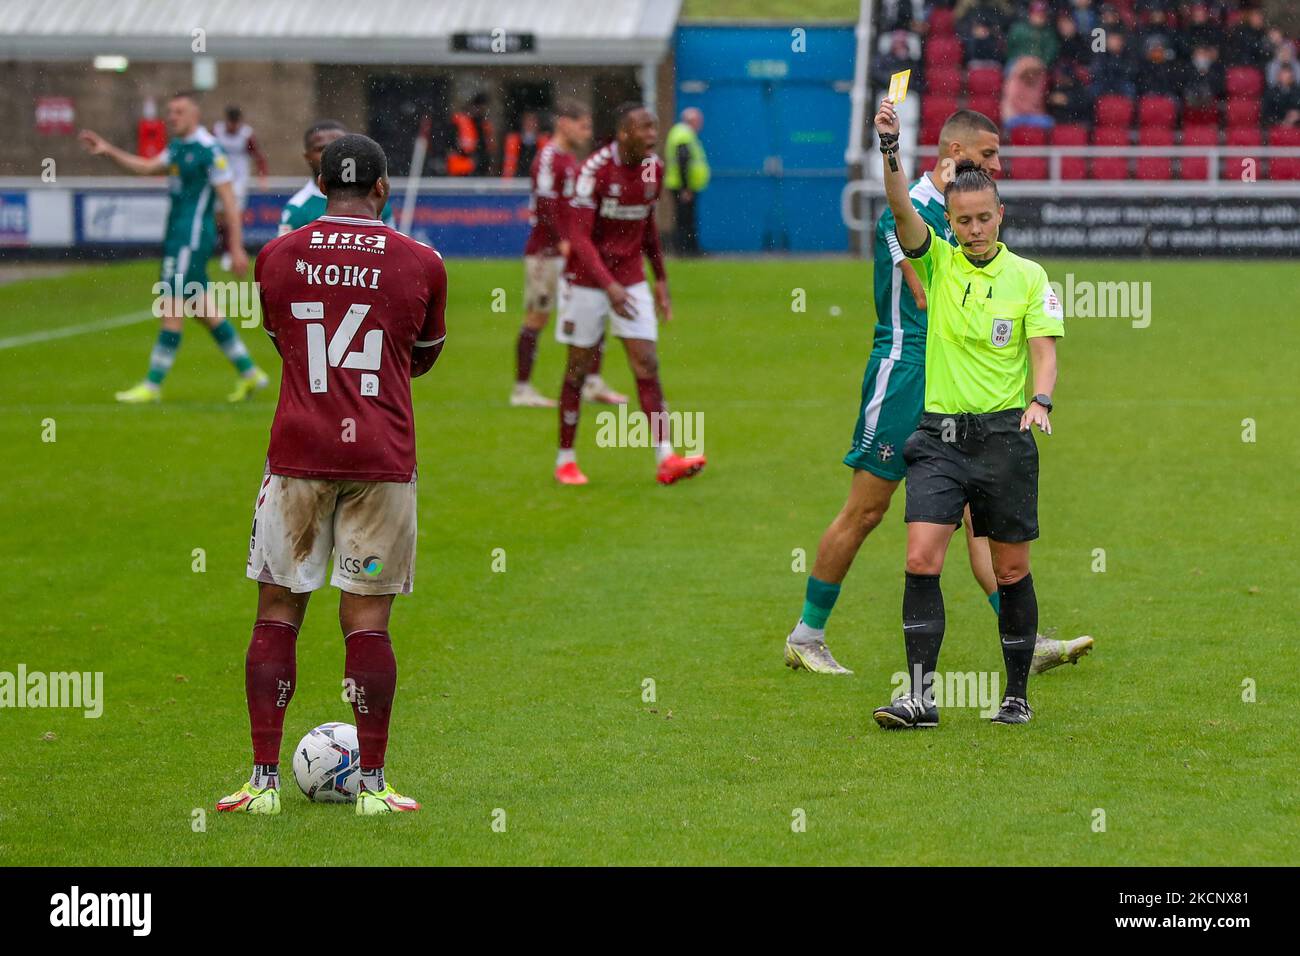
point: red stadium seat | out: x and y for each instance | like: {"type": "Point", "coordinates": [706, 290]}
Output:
{"type": "Point", "coordinates": [943, 50]}
{"type": "Point", "coordinates": [1029, 136]}
{"type": "Point", "coordinates": [1283, 167]}
{"type": "Point", "coordinates": [1029, 167]}
{"type": "Point", "coordinates": [1114, 110]}
{"type": "Point", "coordinates": [1155, 167]}
{"type": "Point", "coordinates": [1204, 135]}
{"type": "Point", "coordinates": [984, 80]}
{"type": "Point", "coordinates": [990, 104]}
{"type": "Point", "coordinates": [1110, 167]}
{"type": "Point", "coordinates": [1157, 111]}
{"type": "Point", "coordinates": [1245, 82]}
{"type": "Point", "coordinates": [936, 109]}
{"type": "Point", "coordinates": [1234, 166]}
{"type": "Point", "coordinates": [943, 80]}
{"type": "Point", "coordinates": [1243, 112]}
{"type": "Point", "coordinates": [1201, 116]}
{"type": "Point", "coordinates": [942, 21]}
{"type": "Point", "coordinates": [930, 132]}
{"type": "Point", "coordinates": [1071, 134]}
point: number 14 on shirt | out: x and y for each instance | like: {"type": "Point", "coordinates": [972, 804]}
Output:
{"type": "Point", "coordinates": [320, 359]}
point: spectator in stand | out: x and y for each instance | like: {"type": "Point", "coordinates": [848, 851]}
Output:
{"type": "Point", "coordinates": [1034, 36]}
{"type": "Point", "coordinates": [522, 146]}
{"type": "Point", "coordinates": [1024, 94]}
{"type": "Point", "coordinates": [1084, 15]}
{"type": "Point", "coordinates": [1155, 24]}
{"type": "Point", "coordinates": [898, 50]}
{"type": "Point", "coordinates": [1281, 106]}
{"type": "Point", "coordinates": [1283, 55]}
{"type": "Point", "coordinates": [1160, 73]}
{"type": "Point", "coordinates": [900, 15]}
{"type": "Point", "coordinates": [1248, 41]}
{"type": "Point", "coordinates": [1110, 19]}
{"type": "Point", "coordinates": [997, 15]}
{"type": "Point", "coordinates": [1142, 9]}
{"type": "Point", "coordinates": [1203, 84]}
{"type": "Point", "coordinates": [1075, 50]}
{"type": "Point", "coordinates": [983, 46]}
{"type": "Point", "coordinates": [1069, 101]}
{"type": "Point", "coordinates": [1200, 29]}
{"type": "Point", "coordinates": [1114, 71]}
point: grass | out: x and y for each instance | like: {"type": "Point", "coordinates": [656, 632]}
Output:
{"type": "Point", "coordinates": [523, 690]}
{"type": "Point", "coordinates": [781, 10]}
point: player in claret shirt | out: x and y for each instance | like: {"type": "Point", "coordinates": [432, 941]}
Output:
{"type": "Point", "coordinates": [611, 226]}
{"type": "Point", "coordinates": [355, 310]}
{"type": "Point", "coordinates": [554, 173]}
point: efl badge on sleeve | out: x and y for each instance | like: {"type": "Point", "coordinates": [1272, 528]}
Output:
{"type": "Point", "coordinates": [1001, 332]}
{"type": "Point", "coordinates": [898, 86]}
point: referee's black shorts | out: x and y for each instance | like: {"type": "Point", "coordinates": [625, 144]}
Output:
{"type": "Point", "coordinates": [984, 460]}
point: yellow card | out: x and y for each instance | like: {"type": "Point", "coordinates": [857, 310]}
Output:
{"type": "Point", "coordinates": [898, 86]}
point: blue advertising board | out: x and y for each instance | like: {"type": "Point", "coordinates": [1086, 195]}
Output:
{"type": "Point", "coordinates": [13, 218]}
{"type": "Point", "coordinates": [465, 225]}
{"type": "Point", "coordinates": [776, 125]}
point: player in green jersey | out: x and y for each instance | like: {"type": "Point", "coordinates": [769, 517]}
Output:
{"type": "Point", "coordinates": [200, 175]}
{"type": "Point", "coordinates": [308, 203]}
{"type": "Point", "coordinates": [892, 397]}
{"type": "Point", "coordinates": [973, 454]}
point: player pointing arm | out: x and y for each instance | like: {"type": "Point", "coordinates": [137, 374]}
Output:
{"type": "Point", "coordinates": [200, 173]}
{"type": "Point", "coordinates": [96, 145]}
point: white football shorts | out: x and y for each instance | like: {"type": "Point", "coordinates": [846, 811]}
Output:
{"type": "Point", "coordinates": [541, 282]}
{"type": "Point", "coordinates": [583, 311]}
{"type": "Point", "coordinates": [363, 530]}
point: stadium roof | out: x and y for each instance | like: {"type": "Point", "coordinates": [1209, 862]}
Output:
{"type": "Point", "coordinates": [337, 31]}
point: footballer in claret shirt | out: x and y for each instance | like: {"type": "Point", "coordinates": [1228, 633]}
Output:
{"type": "Point", "coordinates": [356, 310]}
{"type": "Point", "coordinates": [554, 174]}
{"type": "Point", "coordinates": [611, 227]}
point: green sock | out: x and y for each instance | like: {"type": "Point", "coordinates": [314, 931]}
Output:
{"type": "Point", "coordinates": [233, 347]}
{"type": "Point", "coordinates": [995, 600]}
{"type": "Point", "coordinates": [819, 601]}
{"type": "Point", "coordinates": [163, 355]}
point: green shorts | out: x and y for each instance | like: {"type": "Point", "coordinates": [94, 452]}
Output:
{"type": "Point", "coordinates": [190, 263]}
{"type": "Point", "coordinates": [893, 395]}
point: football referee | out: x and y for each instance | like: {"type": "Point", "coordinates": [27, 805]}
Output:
{"type": "Point", "coordinates": [990, 313]}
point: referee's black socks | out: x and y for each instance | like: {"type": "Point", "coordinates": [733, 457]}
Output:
{"type": "Point", "coordinates": [1018, 627]}
{"type": "Point", "coordinates": [923, 624]}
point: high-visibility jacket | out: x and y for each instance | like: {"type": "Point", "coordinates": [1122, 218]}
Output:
{"type": "Point", "coordinates": [462, 158]}
{"type": "Point", "coordinates": [517, 158]}
{"type": "Point", "coordinates": [697, 176]}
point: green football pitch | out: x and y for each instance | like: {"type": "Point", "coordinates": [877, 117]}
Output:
{"type": "Point", "coordinates": [1169, 515]}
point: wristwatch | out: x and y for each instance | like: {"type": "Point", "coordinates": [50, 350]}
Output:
{"type": "Point", "coordinates": [1044, 400]}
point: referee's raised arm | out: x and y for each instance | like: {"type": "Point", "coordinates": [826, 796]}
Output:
{"type": "Point", "coordinates": [911, 228]}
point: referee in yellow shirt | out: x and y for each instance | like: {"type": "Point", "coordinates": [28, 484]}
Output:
{"type": "Point", "coordinates": [990, 313]}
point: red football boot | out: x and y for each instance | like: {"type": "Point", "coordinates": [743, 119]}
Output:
{"type": "Point", "coordinates": [570, 474]}
{"type": "Point", "coordinates": [675, 468]}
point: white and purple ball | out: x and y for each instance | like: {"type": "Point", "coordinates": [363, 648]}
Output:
{"type": "Point", "coordinates": [327, 764]}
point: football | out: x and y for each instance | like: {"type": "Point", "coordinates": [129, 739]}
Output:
{"type": "Point", "coordinates": [327, 764]}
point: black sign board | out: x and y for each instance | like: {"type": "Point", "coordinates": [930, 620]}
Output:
{"type": "Point", "coordinates": [492, 41]}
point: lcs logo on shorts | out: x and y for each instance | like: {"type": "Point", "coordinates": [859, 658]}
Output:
{"type": "Point", "coordinates": [885, 452]}
{"type": "Point", "coordinates": [1001, 332]}
{"type": "Point", "coordinates": [370, 565]}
